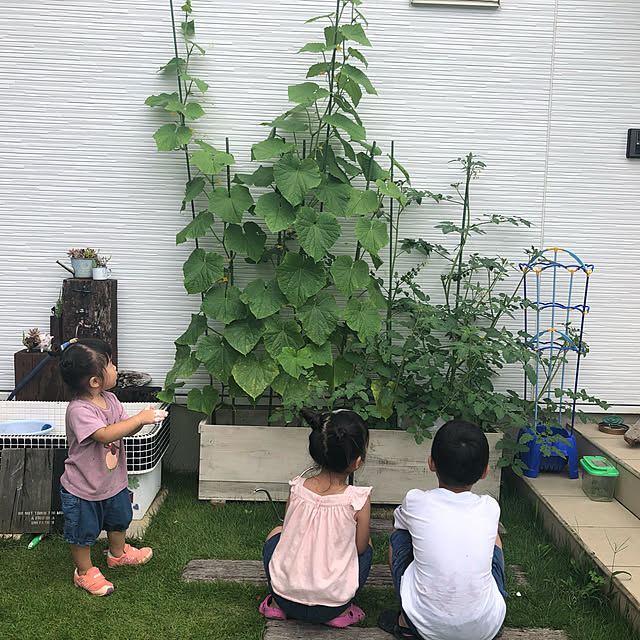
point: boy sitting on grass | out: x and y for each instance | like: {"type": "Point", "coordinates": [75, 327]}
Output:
{"type": "Point", "coordinates": [445, 552]}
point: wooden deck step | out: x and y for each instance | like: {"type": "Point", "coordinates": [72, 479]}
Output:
{"type": "Point", "coordinates": [253, 571]}
{"type": "Point", "coordinates": [294, 630]}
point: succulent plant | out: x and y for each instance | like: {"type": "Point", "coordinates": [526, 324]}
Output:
{"type": "Point", "coordinates": [32, 339]}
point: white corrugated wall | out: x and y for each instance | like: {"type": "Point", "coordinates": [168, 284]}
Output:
{"type": "Point", "coordinates": [542, 90]}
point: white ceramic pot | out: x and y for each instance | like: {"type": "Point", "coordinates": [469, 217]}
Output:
{"type": "Point", "coordinates": [101, 273]}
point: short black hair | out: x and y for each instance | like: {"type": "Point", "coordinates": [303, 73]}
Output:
{"type": "Point", "coordinates": [82, 360]}
{"type": "Point", "coordinates": [337, 438]}
{"type": "Point", "coordinates": [460, 452]}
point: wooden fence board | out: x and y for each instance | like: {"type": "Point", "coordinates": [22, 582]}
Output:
{"type": "Point", "coordinates": [29, 490]}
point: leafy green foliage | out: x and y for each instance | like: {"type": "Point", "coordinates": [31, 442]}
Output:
{"type": "Point", "coordinates": [357, 329]}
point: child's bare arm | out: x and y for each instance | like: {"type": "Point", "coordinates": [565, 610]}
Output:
{"type": "Point", "coordinates": [127, 427]}
{"type": "Point", "coordinates": [363, 533]}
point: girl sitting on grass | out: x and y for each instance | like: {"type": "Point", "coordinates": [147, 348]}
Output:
{"type": "Point", "coordinates": [320, 558]}
{"type": "Point", "coordinates": [93, 487]}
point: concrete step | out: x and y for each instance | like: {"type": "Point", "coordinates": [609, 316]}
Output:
{"type": "Point", "coordinates": [592, 442]}
{"type": "Point", "coordinates": [606, 532]}
{"type": "Point", "coordinates": [294, 630]}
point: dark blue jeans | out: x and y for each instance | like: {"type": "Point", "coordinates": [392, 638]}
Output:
{"type": "Point", "coordinates": [85, 519]}
{"type": "Point", "coordinates": [317, 613]}
{"type": "Point", "coordinates": [402, 557]}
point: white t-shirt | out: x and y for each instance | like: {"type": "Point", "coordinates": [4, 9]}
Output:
{"type": "Point", "coordinates": [448, 590]}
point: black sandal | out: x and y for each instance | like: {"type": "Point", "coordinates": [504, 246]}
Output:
{"type": "Point", "coordinates": [388, 621]}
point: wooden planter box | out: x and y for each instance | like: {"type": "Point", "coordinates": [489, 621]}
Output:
{"type": "Point", "coordinates": [236, 460]}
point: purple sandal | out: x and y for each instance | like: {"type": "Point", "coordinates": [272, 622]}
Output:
{"type": "Point", "coordinates": [270, 612]}
{"type": "Point", "coordinates": [354, 614]}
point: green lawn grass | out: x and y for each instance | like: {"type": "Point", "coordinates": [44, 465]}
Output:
{"type": "Point", "coordinates": [38, 598]}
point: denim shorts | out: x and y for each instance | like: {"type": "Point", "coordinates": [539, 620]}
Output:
{"type": "Point", "coordinates": [402, 556]}
{"type": "Point", "coordinates": [85, 519]}
{"type": "Point", "coordinates": [317, 613]}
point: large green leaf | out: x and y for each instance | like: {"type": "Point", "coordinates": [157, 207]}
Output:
{"type": "Point", "coordinates": [372, 234]}
{"type": "Point", "coordinates": [243, 335]}
{"type": "Point", "coordinates": [361, 203]}
{"type": "Point", "coordinates": [270, 148]}
{"type": "Point", "coordinates": [261, 177]}
{"type": "Point", "coordinates": [292, 390]}
{"type": "Point", "coordinates": [263, 299]}
{"type": "Point", "coordinates": [300, 277]}
{"type": "Point", "coordinates": [204, 400]}
{"type": "Point", "coordinates": [363, 318]}
{"type": "Point", "coordinates": [230, 206]}
{"type": "Point", "coordinates": [172, 136]}
{"type": "Point", "coordinates": [217, 357]}
{"type": "Point", "coordinates": [295, 177]}
{"type": "Point", "coordinates": [185, 365]}
{"type": "Point", "coordinates": [202, 270]}
{"type": "Point", "coordinates": [319, 316]}
{"type": "Point", "coordinates": [293, 361]}
{"type": "Point", "coordinates": [317, 231]}
{"type": "Point", "coordinates": [249, 239]}
{"type": "Point", "coordinates": [194, 188]}
{"type": "Point", "coordinates": [354, 32]}
{"type": "Point", "coordinates": [197, 228]}
{"type": "Point", "coordinates": [278, 335]}
{"type": "Point", "coordinates": [355, 131]}
{"type": "Point", "coordinates": [276, 211]}
{"type": "Point", "coordinates": [335, 195]}
{"type": "Point", "coordinates": [359, 76]}
{"type": "Point", "coordinates": [307, 93]}
{"type": "Point", "coordinates": [342, 371]}
{"type": "Point", "coordinates": [196, 328]}
{"type": "Point", "coordinates": [349, 275]}
{"type": "Point", "coordinates": [209, 160]}
{"type": "Point", "coordinates": [319, 354]}
{"type": "Point", "coordinates": [383, 395]}
{"type": "Point", "coordinates": [162, 99]}
{"type": "Point", "coordinates": [254, 375]}
{"type": "Point", "coordinates": [224, 304]}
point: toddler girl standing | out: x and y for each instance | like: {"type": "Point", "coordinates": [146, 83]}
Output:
{"type": "Point", "coordinates": [320, 558]}
{"type": "Point", "coordinates": [93, 488]}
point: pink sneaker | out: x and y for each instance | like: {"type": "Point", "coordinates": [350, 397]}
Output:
{"type": "Point", "coordinates": [131, 555]}
{"type": "Point", "coordinates": [94, 582]}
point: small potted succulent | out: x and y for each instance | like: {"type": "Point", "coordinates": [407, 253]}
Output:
{"type": "Point", "coordinates": [100, 270]}
{"type": "Point", "coordinates": [36, 341]}
{"type": "Point", "coordinates": [82, 261]}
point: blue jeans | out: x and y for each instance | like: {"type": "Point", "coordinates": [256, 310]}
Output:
{"type": "Point", "coordinates": [85, 519]}
{"type": "Point", "coordinates": [402, 557]}
{"type": "Point", "coordinates": [316, 613]}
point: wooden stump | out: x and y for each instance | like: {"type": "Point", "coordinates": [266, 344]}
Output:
{"type": "Point", "coordinates": [91, 308]}
{"type": "Point", "coordinates": [46, 384]}
{"type": "Point", "coordinates": [30, 490]}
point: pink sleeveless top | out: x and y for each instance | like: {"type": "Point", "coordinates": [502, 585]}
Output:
{"type": "Point", "coordinates": [316, 559]}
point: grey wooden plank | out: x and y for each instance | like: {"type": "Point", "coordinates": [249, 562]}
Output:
{"type": "Point", "coordinates": [252, 571]}
{"type": "Point", "coordinates": [294, 630]}
{"type": "Point", "coordinates": [25, 490]}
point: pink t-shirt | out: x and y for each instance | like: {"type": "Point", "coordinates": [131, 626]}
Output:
{"type": "Point", "coordinates": [94, 471]}
{"type": "Point", "coordinates": [316, 559]}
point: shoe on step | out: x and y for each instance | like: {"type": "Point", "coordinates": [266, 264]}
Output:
{"type": "Point", "coordinates": [131, 555]}
{"type": "Point", "coordinates": [94, 582]}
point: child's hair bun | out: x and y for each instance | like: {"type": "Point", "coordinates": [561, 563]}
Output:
{"type": "Point", "coordinates": [313, 419]}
